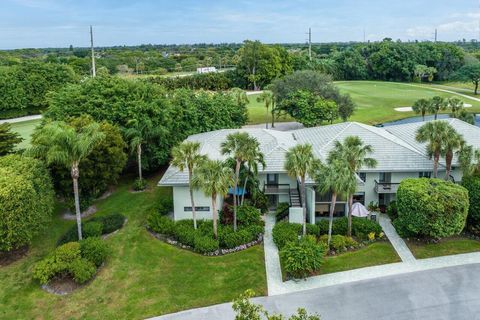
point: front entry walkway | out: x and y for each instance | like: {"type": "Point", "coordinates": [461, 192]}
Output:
{"type": "Point", "coordinates": [400, 246]}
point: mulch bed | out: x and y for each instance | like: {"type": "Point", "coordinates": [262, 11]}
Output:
{"type": "Point", "coordinates": [7, 258]}
{"type": "Point", "coordinates": [61, 286]}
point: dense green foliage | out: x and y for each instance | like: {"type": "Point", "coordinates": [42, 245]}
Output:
{"type": "Point", "coordinates": [178, 114]}
{"type": "Point", "coordinates": [8, 139]}
{"type": "Point", "coordinates": [339, 243]}
{"type": "Point", "coordinates": [431, 208]}
{"type": "Point", "coordinates": [77, 260]}
{"type": "Point", "coordinates": [471, 73]}
{"type": "Point", "coordinates": [302, 257]}
{"type": "Point", "coordinates": [94, 227]}
{"type": "Point", "coordinates": [26, 200]}
{"type": "Point", "coordinates": [214, 81]}
{"type": "Point", "coordinates": [24, 87]}
{"type": "Point", "coordinates": [361, 227]}
{"type": "Point", "coordinates": [472, 184]}
{"type": "Point", "coordinates": [284, 232]}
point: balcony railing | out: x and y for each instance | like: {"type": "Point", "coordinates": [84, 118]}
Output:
{"type": "Point", "coordinates": [276, 188]}
{"type": "Point", "coordinates": [386, 187]}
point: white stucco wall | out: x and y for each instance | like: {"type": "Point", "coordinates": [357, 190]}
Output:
{"type": "Point", "coordinates": [181, 199]}
{"type": "Point", "coordinates": [295, 215]}
{"type": "Point", "coordinates": [310, 201]}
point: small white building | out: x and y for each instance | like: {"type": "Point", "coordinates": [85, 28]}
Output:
{"type": "Point", "coordinates": [398, 156]}
{"type": "Point", "coordinates": [206, 69]}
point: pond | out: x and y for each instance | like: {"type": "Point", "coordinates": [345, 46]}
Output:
{"type": "Point", "coordinates": [419, 119]}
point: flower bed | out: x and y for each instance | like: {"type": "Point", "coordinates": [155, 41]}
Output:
{"type": "Point", "coordinates": [183, 234]}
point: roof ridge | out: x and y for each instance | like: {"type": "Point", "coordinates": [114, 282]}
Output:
{"type": "Point", "coordinates": [349, 124]}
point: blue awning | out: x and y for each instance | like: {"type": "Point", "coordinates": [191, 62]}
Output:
{"type": "Point", "coordinates": [239, 191]}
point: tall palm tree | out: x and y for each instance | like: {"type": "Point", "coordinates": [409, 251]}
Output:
{"type": "Point", "coordinates": [433, 133]}
{"type": "Point", "coordinates": [214, 178]}
{"type": "Point", "coordinates": [336, 178]}
{"type": "Point", "coordinates": [452, 142]}
{"type": "Point", "coordinates": [62, 144]}
{"type": "Point", "coordinates": [187, 156]}
{"type": "Point", "coordinates": [437, 104]}
{"type": "Point", "coordinates": [354, 152]}
{"type": "Point", "coordinates": [238, 145]}
{"type": "Point", "coordinates": [137, 133]}
{"type": "Point", "coordinates": [254, 157]}
{"type": "Point", "coordinates": [456, 105]}
{"type": "Point", "coordinates": [422, 106]}
{"type": "Point", "coordinates": [300, 162]}
{"type": "Point", "coordinates": [267, 98]}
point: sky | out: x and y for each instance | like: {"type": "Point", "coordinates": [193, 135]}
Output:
{"type": "Point", "coordinates": [60, 23]}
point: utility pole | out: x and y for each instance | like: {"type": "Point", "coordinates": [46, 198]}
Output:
{"type": "Point", "coordinates": [93, 52]}
{"type": "Point", "coordinates": [435, 34]}
{"type": "Point", "coordinates": [363, 35]}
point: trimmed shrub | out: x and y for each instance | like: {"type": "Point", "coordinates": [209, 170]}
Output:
{"type": "Point", "coordinates": [338, 243]}
{"type": "Point", "coordinates": [92, 229]}
{"type": "Point", "coordinates": [139, 184]}
{"type": "Point", "coordinates": [82, 270]}
{"type": "Point", "coordinates": [255, 231]}
{"type": "Point", "coordinates": [57, 262]}
{"type": "Point", "coordinates": [205, 244]}
{"type": "Point", "coordinates": [392, 211]}
{"type": "Point", "coordinates": [284, 232]}
{"type": "Point", "coordinates": [323, 226]}
{"type": "Point", "coordinates": [431, 208]}
{"type": "Point", "coordinates": [302, 257]}
{"type": "Point", "coordinates": [248, 215]}
{"type": "Point", "coordinates": [232, 239]}
{"type": "Point", "coordinates": [472, 184]}
{"type": "Point", "coordinates": [165, 206]}
{"type": "Point", "coordinates": [94, 250]}
{"type": "Point", "coordinates": [361, 227]}
{"type": "Point", "coordinates": [161, 224]}
{"type": "Point", "coordinates": [184, 232]}
{"type": "Point", "coordinates": [110, 222]}
{"type": "Point", "coordinates": [26, 200]}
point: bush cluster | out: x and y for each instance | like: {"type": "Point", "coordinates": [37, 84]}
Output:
{"type": "Point", "coordinates": [284, 232]}
{"type": "Point", "coordinates": [361, 227]}
{"type": "Point", "coordinates": [303, 256]}
{"type": "Point", "coordinates": [339, 243]}
{"type": "Point", "coordinates": [202, 239]}
{"type": "Point", "coordinates": [472, 184]}
{"type": "Point", "coordinates": [78, 260]}
{"type": "Point", "coordinates": [94, 227]}
{"type": "Point", "coordinates": [431, 208]}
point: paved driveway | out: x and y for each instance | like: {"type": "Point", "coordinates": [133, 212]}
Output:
{"type": "Point", "coordinates": [447, 293]}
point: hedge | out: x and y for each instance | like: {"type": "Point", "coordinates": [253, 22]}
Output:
{"type": "Point", "coordinates": [26, 200]}
{"type": "Point", "coordinates": [284, 232]}
{"type": "Point", "coordinates": [472, 184]}
{"type": "Point", "coordinates": [302, 257]}
{"type": "Point", "coordinates": [431, 208]}
{"type": "Point", "coordinates": [361, 227]}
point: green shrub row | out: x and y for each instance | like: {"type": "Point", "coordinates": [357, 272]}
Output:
{"type": "Point", "coordinates": [94, 227]}
{"type": "Point", "coordinates": [78, 260]}
{"type": "Point", "coordinates": [339, 243]}
{"type": "Point", "coordinates": [202, 239]}
{"type": "Point", "coordinates": [361, 227]}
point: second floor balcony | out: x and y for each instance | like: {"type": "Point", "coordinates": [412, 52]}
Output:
{"type": "Point", "coordinates": [386, 187]}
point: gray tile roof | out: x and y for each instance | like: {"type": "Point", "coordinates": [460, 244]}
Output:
{"type": "Point", "coordinates": [395, 148]}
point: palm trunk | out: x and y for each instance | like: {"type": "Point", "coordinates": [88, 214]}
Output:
{"type": "Point", "coordinates": [448, 162]}
{"type": "Point", "coordinates": [476, 87]}
{"type": "Point", "coordinates": [214, 215]}
{"type": "Point", "coordinates": [423, 115]}
{"type": "Point", "coordinates": [194, 214]}
{"type": "Point", "coordinates": [436, 113]}
{"type": "Point", "coordinates": [244, 189]}
{"type": "Point", "coordinates": [304, 206]}
{"type": "Point", "coordinates": [330, 220]}
{"type": "Point", "coordinates": [436, 158]}
{"type": "Point", "coordinates": [266, 119]}
{"type": "Point", "coordinates": [139, 161]}
{"type": "Point", "coordinates": [75, 174]}
{"type": "Point", "coordinates": [273, 114]}
{"type": "Point", "coordinates": [350, 203]}
{"type": "Point", "coordinates": [237, 174]}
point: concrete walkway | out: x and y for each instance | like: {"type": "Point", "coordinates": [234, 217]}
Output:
{"type": "Point", "coordinates": [22, 119]}
{"type": "Point", "coordinates": [272, 259]}
{"type": "Point", "coordinates": [398, 244]}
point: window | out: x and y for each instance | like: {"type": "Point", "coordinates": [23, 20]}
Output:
{"type": "Point", "coordinates": [385, 177]}
{"type": "Point", "coordinates": [425, 174]}
{"type": "Point", "coordinates": [363, 176]}
{"type": "Point", "coordinates": [202, 209]}
{"type": "Point", "coordinates": [272, 178]}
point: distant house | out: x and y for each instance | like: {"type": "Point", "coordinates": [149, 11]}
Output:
{"type": "Point", "coordinates": [206, 69]}
{"type": "Point", "coordinates": [398, 156]}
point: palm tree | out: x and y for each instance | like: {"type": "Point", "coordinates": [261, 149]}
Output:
{"type": "Point", "coordinates": [267, 98]}
{"type": "Point", "coordinates": [469, 160]}
{"type": "Point", "coordinates": [238, 145]}
{"type": "Point", "coordinates": [336, 178]}
{"type": "Point", "coordinates": [422, 106]}
{"type": "Point", "coordinates": [240, 96]}
{"type": "Point", "coordinates": [60, 143]}
{"type": "Point", "coordinates": [452, 142]}
{"type": "Point", "coordinates": [187, 156]}
{"type": "Point", "coordinates": [433, 133]}
{"type": "Point", "coordinates": [437, 104]}
{"type": "Point", "coordinates": [214, 178]}
{"type": "Point", "coordinates": [137, 133]}
{"type": "Point", "coordinates": [300, 162]}
{"type": "Point", "coordinates": [254, 157]}
{"type": "Point", "coordinates": [354, 152]}
{"type": "Point", "coordinates": [456, 105]}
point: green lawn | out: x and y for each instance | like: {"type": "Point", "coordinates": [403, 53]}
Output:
{"type": "Point", "coordinates": [25, 129]}
{"type": "Point", "coordinates": [257, 113]}
{"type": "Point", "coordinates": [445, 247]}
{"type": "Point", "coordinates": [375, 254]}
{"type": "Point", "coordinates": [376, 101]}
{"type": "Point", "coordinates": [143, 277]}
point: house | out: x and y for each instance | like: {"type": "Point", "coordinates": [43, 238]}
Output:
{"type": "Point", "coordinates": [398, 156]}
{"type": "Point", "coordinates": [206, 69]}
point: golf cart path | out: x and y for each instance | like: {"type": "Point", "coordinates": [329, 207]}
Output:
{"type": "Point", "coordinates": [442, 90]}
{"type": "Point", "coordinates": [21, 119]}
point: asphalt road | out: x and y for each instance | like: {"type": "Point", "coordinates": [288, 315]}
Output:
{"type": "Point", "coordinates": [448, 293]}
